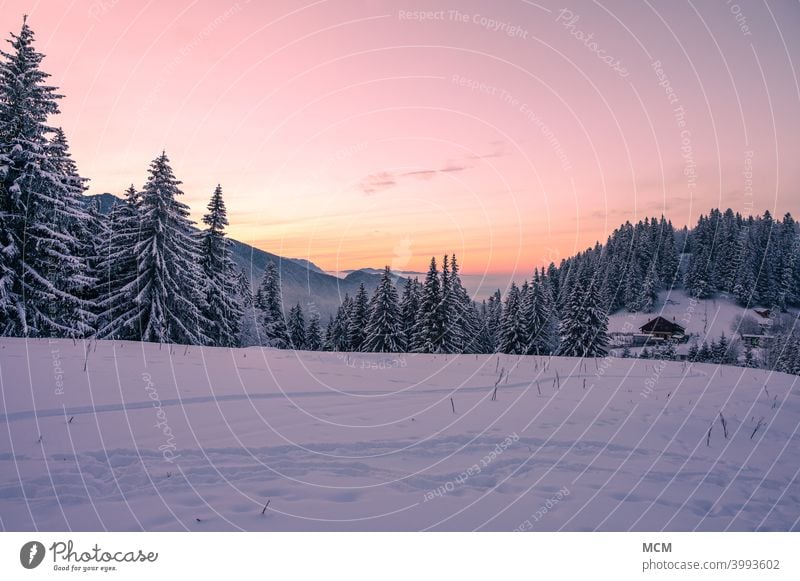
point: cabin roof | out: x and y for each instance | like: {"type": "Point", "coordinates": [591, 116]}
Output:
{"type": "Point", "coordinates": [661, 325]}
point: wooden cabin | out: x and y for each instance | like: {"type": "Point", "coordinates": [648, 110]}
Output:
{"type": "Point", "coordinates": [662, 328]}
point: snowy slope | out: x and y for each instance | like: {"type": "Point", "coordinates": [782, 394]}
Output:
{"type": "Point", "coordinates": [160, 438]}
{"type": "Point", "coordinates": [705, 318]}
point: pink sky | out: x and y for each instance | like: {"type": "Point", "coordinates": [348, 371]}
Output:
{"type": "Point", "coordinates": [357, 134]}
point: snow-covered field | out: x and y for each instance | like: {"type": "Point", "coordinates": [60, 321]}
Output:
{"type": "Point", "coordinates": [160, 438]}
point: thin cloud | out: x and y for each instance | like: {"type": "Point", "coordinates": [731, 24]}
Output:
{"type": "Point", "coordinates": [384, 180]}
{"type": "Point", "coordinates": [377, 182]}
{"type": "Point", "coordinates": [499, 151]}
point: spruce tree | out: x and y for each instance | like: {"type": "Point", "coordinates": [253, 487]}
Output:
{"type": "Point", "coordinates": [96, 240]}
{"type": "Point", "coordinates": [328, 342]}
{"type": "Point", "coordinates": [337, 338]}
{"type": "Point", "coordinates": [634, 287]}
{"type": "Point", "coordinates": [314, 340]}
{"type": "Point", "coordinates": [43, 272]}
{"type": "Point", "coordinates": [170, 298]}
{"type": "Point", "coordinates": [767, 288]}
{"type": "Point", "coordinates": [270, 303]}
{"type": "Point", "coordinates": [493, 320]}
{"type": "Point", "coordinates": [384, 326]}
{"type": "Point", "coordinates": [429, 327]}
{"type": "Point", "coordinates": [668, 256]}
{"type": "Point", "coordinates": [409, 305]}
{"type": "Point", "coordinates": [584, 324]}
{"type": "Point", "coordinates": [356, 325]}
{"type": "Point", "coordinates": [462, 320]}
{"type": "Point", "coordinates": [117, 273]}
{"type": "Point", "coordinates": [787, 251]}
{"type": "Point", "coordinates": [297, 328]}
{"type": "Point", "coordinates": [649, 292]}
{"type": "Point", "coordinates": [223, 304]}
{"type": "Point", "coordinates": [538, 320]}
{"type": "Point", "coordinates": [514, 327]}
{"type": "Point", "coordinates": [749, 357]}
{"type": "Point", "coordinates": [242, 288]}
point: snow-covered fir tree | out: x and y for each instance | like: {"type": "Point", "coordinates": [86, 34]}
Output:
{"type": "Point", "coordinates": [787, 257]}
{"type": "Point", "coordinates": [327, 339]}
{"type": "Point", "coordinates": [514, 327]}
{"type": "Point", "coordinates": [314, 341]}
{"type": "Point", "coordinates": [384, 326]}
{"type": "Point", "coordinates": [242, 288]}
{"type": "Point", "coordinates": [700, 279]}
{"type": "Point", "coordinates": [584, 323]}
{"type": "Point", "coordinates": [493, 319]}
{"type": "Point", "coordinates": [429, 326]}
{"type": "Point", "coordinates": [270, 303]}
{"type": "Point", "coordinates": [43, 269]}
{"type": "Point", "coordinates": [463, 320]}
{"type": "Point", "coordinates": [337, 337]}
{"type": "Point", "coordinates": [649, 292]}
{"type": "Point", "coordinates": [749, 357]}
{"type": "Point", "coordinates": [297, 327]}
{"type": "Point", "coordinates": [538, 319]}
{"type": "Point", "coordinates": [668, 258]}
{"type": "Point", "coordinates": [449, 312]}
{"type": "Point", "coordinates": [117, 272]}
{"type": "Point", "coordinates": [634, 287]}
{"type": "Point", "coordinates": [484, 339]}
{"type": "Point", "coordinates": [409, 305]}
{"type": "Point", "coordinates": [96, 238]}
{"type": "Point", "coordinates": [170, 298]}
{"type": "Point", "coordinates": [357, 322]}
{"type": "Point", "coordinates": [223, 305]}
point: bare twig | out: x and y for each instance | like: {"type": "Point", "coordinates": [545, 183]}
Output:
{"type": "Point", "coordinates": [496, 383]}
{"type": "Point", "coordinates": [724, 425]}
{"type": "Point", "coordinates": [453, 405]}
{"type": "Point", "coordinates": [86, 358]}
{"type": "Point", "coordinates": [265, 507]}
{"type": "Point", "coordinates": [758, 425]}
